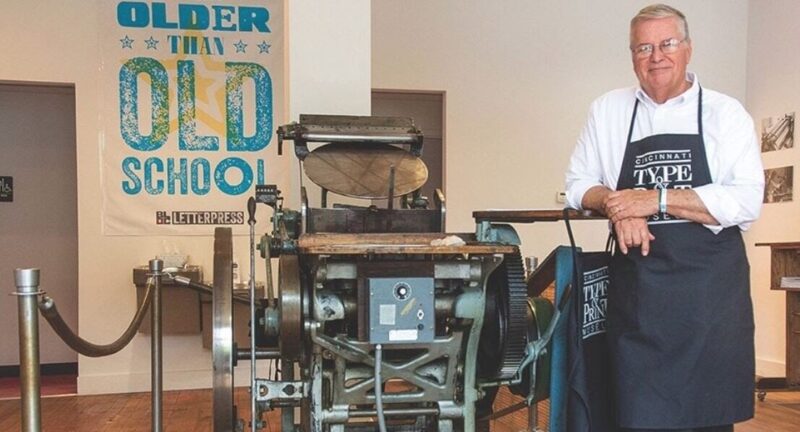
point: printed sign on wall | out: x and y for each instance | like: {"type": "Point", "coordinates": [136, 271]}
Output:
{"type": "Point", "coordinates": [6, 189]}
{"type": "Point", "coordinates": [192, 94]}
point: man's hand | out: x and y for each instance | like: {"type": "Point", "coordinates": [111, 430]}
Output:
{"type": "Point", "coordinates": [633, 232]}
{"type": "Point", "coordinates": [630, 203]}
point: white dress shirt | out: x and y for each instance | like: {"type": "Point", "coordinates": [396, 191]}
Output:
{"type": "Point", "coordinates": [733, 198]}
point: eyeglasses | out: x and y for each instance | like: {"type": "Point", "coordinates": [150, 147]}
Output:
{"type": "Point", "coordinates": [668, 46]}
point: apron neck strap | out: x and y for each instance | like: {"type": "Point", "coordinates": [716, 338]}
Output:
{"type": "Point", "coordinates": [633, 121]}
{"type": "Point", "coordinates": [700, 113]}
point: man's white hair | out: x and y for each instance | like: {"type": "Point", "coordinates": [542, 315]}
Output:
{"type": "Point", "coordinates": [658, 11]}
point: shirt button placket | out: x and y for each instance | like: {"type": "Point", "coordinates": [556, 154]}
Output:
{"type": "Point", "coordinates": [658, 120]}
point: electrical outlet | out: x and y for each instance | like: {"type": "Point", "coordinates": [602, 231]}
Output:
{"type": "Point", "coordinates": [561, 197]}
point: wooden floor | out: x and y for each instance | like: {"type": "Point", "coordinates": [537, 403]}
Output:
{"type": "Point", "coordinates": [780, 412]}
{"type": "Point", "coordinates": [51, 385]}
{"type": "Point", "coordinates": [191, 411]}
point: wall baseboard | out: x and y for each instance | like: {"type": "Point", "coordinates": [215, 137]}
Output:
{"type": "Point", "coordinates": [140, 382]}
{"type": "Point", "coordinates": [135, 382]}
{"type": "Point", "coordinates": [12, 371]}
{"type": "Point", "coordinates": [770, 368]}
{"type": "Point", "coordinates": [201, 379]}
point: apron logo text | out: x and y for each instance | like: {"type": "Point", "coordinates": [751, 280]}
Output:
{"type": "Point", "coordinates": [663, 169]}
{"type": "Point", "coordinates": [595, 294]}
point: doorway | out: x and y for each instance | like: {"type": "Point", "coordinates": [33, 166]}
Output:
{"type": "Point", "coordinates": [39, 220]}
{"type": "Point", "coordinates": [427, 109]}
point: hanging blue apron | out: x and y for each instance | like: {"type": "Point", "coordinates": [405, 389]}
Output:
{"type": "Point", "coordinates": [680, 320]}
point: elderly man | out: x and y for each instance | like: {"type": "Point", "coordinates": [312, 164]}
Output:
{"type": "Point", "coordinates": [677, 170]}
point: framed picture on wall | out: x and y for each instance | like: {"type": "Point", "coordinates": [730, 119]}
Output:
{"type": "Point", "coordinates": [6, 189]}
{"type": "Point", "coordinates": [777, 133]}
{"type": "Point", "coordinates": [779, 184]}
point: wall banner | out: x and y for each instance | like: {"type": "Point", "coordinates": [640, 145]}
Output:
{"type": "Point", "coordinates": [192, 94]}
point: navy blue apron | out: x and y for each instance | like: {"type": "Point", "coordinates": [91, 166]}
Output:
{"type": "Point", "coordinates": [590, 399]}
{"type": "Point", "coordinates": [680, 320]}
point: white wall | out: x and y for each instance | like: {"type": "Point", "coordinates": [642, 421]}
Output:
{"type": "Point", "coordinates": [57, 41]}
{"type": "Point", "coordinates": [329, 64]}
{"type": "Point", "coordinates": [773, 74]}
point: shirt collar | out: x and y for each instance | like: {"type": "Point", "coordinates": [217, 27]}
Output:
{"type": "Point", "coordinates": [682, 98]}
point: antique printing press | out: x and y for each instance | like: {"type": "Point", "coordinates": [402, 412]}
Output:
{"type": "Point", "coordinates": [381, 320]}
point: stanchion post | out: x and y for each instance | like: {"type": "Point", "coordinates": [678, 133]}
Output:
{"type": "Point", "coordinates": [27, 293]}
{"type": "Point", "coordinates": [156, 370]}
{"type": "Point", "coordinates": [533, 416]}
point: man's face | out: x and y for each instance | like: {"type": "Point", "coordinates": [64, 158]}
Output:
{"type": "Point", "coordinates": [662, 76]}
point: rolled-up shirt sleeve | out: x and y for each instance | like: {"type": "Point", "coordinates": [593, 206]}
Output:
{"type": "Point", "coordinates": [585, 170]}
{"type": "Point", "coordinates": [735, 197]}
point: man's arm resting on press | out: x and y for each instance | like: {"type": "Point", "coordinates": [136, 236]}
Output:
{"type": "Point", "coordinates": [682, 203]}
{"type": "Point", "coordinates": [686, 204]}
{"type": "Point", "coordinates": [595, 199]}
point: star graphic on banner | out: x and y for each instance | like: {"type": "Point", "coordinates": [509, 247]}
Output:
{"type": "Point", "coordinates": [127, 42]}
{"type": "Point", "coordinates": [210, 91]}
{"type": "Point", "coordinates": [240, 46]}
{"type": "Point", "coordinates": [151, 43]}
{"type": "Point", "coordinates": [264, 47]}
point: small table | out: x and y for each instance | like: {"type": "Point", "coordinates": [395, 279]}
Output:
{"type": "Point", "coordinates": [181, 306]}
{"type": "Point", "coordinates": [785, 262]}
